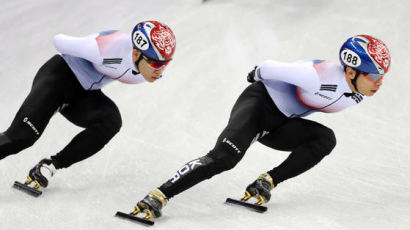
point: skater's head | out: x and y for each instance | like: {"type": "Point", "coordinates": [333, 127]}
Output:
{"type": "Point", "coordinates": [154, 45]}
{"type": "Point", "coordinates": [366, 60]}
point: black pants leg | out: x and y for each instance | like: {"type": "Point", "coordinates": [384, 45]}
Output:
{"type": "Point", "coordinates": [56, 88]}
{"type": "Point", "coordinates": [44, 99]}
{"type": "Point", "coordinates": [246, 121]}
{"type": "Point", "coordinates": [308, 141]}
{"type": "Point", "coordinates": [101, 119]}
{"type": "Point", "coordinates": [255, 117]}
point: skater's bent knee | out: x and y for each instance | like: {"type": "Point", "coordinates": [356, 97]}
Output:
{"type": "Point", "coordinates": [109, 126]}
{"type": "Point", "coordinates": [329, 140]}
{"type": "Point", "coordinates": [4, 139]}
{"type": "Point", "coordinates": [115, 124]}
{"type": "Point", "coordinates": [10, 145]}
{"type": "Point", "coordinates": [325, 144]}
{"type": "Point", "coordinates": [224, 160]}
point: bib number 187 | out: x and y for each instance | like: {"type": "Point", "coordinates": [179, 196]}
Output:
{"type": "Point", "coordinates": [140, 41]}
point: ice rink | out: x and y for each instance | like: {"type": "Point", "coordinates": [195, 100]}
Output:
{"type": "Point", "coordinates": [363, 184]}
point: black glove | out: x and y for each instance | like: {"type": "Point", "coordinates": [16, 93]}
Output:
{"type": "Point", "coordinates": [251, 75]}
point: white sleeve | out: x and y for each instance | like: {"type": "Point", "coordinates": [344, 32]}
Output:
{"type": "Point", "coordinates": [82, 47]}
{"type": "Point", "coordinates": [302, 75]}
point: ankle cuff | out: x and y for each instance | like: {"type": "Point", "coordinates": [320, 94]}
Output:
{"type": "Point", "coordinates": [55, 163]}
{"type": "Point", "coordinates": [160, 196]}
{"type": "Point", "coordinates": [268, 178]}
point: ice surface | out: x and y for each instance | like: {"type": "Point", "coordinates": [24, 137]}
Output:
{"type": "Point", "coordinates": [363, 184]}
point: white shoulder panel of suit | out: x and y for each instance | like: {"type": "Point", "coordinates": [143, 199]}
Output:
{"type": "Point", "coordinates": [99, 58]}
{"type": "Point", "coordinates": [301, 88]}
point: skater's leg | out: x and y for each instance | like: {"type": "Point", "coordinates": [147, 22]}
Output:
{"type": "Point", "coordinates": [247, 121]}
{"type": "Point", "coordinates": [4, 139]}
{"type": "Point", "coordinates": [34, 114]}
{"type": "Point", "coordinates": [244, 124]}
{"type": "Point", "coordinates": [308, 141]}
{"type": "Point", "coordinates": [101, 119]}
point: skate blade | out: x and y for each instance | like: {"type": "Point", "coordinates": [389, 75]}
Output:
{"type": "Point", "coordinates": [134, 218]}
{"type": "Point", "coordinates": [254, 207]}
{"type": "Point", "coordinates": [27, 189]}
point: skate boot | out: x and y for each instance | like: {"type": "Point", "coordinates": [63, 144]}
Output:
{"type": "Point", "coordinates": [41, 173]}
{"type": "Point", "coordinates": [260, 189]}
{"type": "Point", "coordinates": [151, 204]}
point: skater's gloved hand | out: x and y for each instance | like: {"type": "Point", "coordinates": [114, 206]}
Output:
{"type": "Point", "coordinates": [260, 189]}
{"type": "Point", "coordinates": [251, 75]}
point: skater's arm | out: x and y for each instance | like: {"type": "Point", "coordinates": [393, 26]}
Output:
{"type": "Point", "coordinates": [300, 74]}
{"type": "Point", "coordinates": [82, 47]}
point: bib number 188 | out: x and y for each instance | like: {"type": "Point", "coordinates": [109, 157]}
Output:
{"type": "Point", "coordinates": [350, 58]}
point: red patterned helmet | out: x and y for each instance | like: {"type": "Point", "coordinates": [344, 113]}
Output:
{"type": "Point", "coordinates": [154, 39]}
{"type": "Point", "coordinates": [365, 53]}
